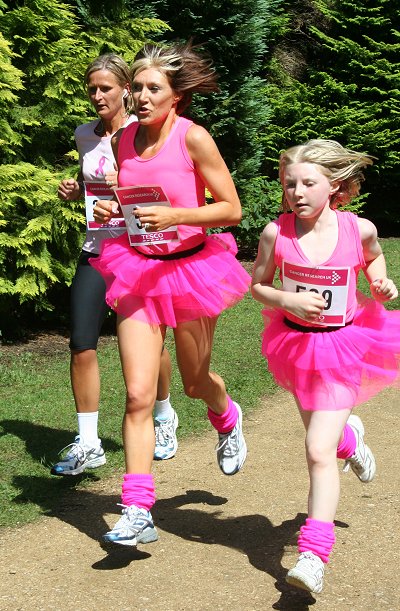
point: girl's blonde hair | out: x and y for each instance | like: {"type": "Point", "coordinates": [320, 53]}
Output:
{"type": "Point", "coordinates": [187, 71]}
{"type": "Point", "coordinates": [119, 68]}
{"type": "Point", "coordinates": [337, 163]}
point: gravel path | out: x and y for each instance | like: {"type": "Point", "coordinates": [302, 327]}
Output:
{"type": "Point", "coordinates": [225, 542]}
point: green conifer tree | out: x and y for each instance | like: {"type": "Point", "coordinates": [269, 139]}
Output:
{"type": "Point", "coordinates": [335, 74]}
{"type": "Point", "coordinates": [43, 56]}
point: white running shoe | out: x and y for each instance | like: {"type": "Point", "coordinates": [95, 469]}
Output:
{"type": "Point", "coordinates": [166, 440]}
{"type": "Point", "coordinates": [308, 574]}
{"type": "Point", "coordinates": [134, 526]}
{"type": "Point", "coordinates": [362, 462]}
{"type": "Point", "coordinates": [78, 458]}
{"type": "Point", "coordinates": [231, 448]}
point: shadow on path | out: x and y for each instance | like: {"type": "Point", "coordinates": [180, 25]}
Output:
{"type": "Point", "coordinates": [42, 442]}
{"type": "Point", "coordinates": [253, 535]}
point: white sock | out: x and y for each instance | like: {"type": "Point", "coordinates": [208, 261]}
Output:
{"type": "Point", "coordinates": [163, 409]}
{"type": "Point", "coordinates": [87, 429]}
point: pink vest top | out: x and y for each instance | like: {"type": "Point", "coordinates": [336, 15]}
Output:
{"type": "Point", "coordinates": [347, 253]}
{"type": "Point", "coordinates": [171, 168]}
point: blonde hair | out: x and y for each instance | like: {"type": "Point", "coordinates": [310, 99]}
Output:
{"type": "Point", "coordinates": [187, 71]}
{"type": "Point", "coordinates": [119, 68]}
{"type": "Point", "coordinates": [337, 163]}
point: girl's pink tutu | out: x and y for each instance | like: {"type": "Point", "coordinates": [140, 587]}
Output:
{"type": "Point", "coordinates": [168, 292]}
{"type": "Point", "coordinates": [338, 369]}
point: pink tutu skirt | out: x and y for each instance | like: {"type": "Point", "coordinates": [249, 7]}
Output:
{"type": "Point", "coordinates": [338, 369]}
{"type": "Point", "coordinates": [171, 291]}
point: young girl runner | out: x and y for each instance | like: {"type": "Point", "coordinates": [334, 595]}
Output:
{"type": "Point", "coordinates": [331, 347]}
{"type": "Point", "coordinates": [183, 284]}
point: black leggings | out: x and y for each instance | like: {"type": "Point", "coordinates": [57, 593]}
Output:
{"type": "Point", "coordinates": [88, 306]}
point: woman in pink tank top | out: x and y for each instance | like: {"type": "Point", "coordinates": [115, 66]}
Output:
{"type": "Point", "coordinates": [107, 79]}
{"type": "Point", "coordinates": [184, 283]}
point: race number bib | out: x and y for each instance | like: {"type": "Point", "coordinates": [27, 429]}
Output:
{"type": "Point", "coordinates": [93, 192]}
{"type": "Point", "coordinates": [330, 282]}
{"type": "Point", "coordinates": [140, 196]}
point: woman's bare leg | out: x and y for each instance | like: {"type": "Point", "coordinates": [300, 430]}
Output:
{"type": "Point", "coordinates": [194, 342]}
{"type": "Point", "coordinates": [140, 348]}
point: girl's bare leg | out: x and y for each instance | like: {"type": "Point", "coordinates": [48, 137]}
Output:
{"type": "Point", "coordinates": [323, 432]}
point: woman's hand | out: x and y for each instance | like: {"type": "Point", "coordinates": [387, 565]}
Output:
{"type": "Point", "coordinates": [383, 289]}
{"type": "Point", "coordinates": [157, 218]}
{"type": "Point", "coordinates": [111, 177]}
{"type": "Point", "coordinates": [69, 190]}
{"type": "Point", "coordinates": [105, 210]}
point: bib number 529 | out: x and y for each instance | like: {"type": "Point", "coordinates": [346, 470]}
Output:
{"type": "Point", "coordinates": [326, 294]}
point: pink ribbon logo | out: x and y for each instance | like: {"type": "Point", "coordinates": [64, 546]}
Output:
{"type": "Point", "coordinates": [101, 166]}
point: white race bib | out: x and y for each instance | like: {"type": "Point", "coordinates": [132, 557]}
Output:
{"type": "Point", "coordinates": [93, 192]}
{"type": "Point", "coordinates": [141, 196]}
{"type": "Point", "coordinates": [330, 282]}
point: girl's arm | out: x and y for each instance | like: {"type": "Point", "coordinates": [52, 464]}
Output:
{"type": "Point", "coordinates": [262, 288]}
{"type": "Point", "coordinates": [381, 287]}
{"type": "Point", "coordinates": [305, 305]}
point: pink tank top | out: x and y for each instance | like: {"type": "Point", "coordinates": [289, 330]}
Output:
{"type": "Point", "coordinates": [171, 168]}
{"type": "Point", "coordinates": [348, 253]}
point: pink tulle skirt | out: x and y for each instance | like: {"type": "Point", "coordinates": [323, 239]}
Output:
{"type": "Point", "coordinates": [172, 291]}
{"type": "Point", "coordinates": [335, 369]}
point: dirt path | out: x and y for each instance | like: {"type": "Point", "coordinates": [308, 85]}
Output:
{"type": "Point", "coordinates": [225, 542]}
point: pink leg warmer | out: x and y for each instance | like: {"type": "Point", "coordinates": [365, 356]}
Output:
{"type": "Point", "coordinates": [138, 489]}
{"type": "Point", "coordinates": [347, 446]}
{"type": "Point", "coordinates": [317, 537]}
{"type": "Point", "coordinates": [224, 423]}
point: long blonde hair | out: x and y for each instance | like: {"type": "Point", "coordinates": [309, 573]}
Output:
{"type": "Point", "coordinates": [337, 163]}
{"type": "Point", "coordinates": [187, 71]}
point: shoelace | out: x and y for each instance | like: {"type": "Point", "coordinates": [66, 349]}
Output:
{"type": "Point", "coordinates": [128, 513]}
{"type": "Point", "coordinates": [229, 443]}
{"type": "Point", "coordinates": [163, 432]}
{"type": "Point", "coordinates": [310, 557]}
{"type": "Point", "coordinates": [354, 460]}
{"type": "Point", "coordinates": [346, 466]}
{"type": "Point", "coordinates": [76, 451]}
{"type": "Point", "coordinates": [307, 557]}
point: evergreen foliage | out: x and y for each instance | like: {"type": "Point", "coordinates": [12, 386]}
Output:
{"type": "Point", "coordinates": [335, 73]}
{"type": "Point", "coordinates": [10, 85]}
{"type": "Point", "coordinates": [289, 70]}
{"type": "Point", "coordinates": [45, 47]}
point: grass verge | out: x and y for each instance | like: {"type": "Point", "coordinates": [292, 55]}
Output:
{"type": "Point", "coordinates": [38, 416]}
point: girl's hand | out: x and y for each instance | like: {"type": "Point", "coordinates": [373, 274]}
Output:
{"type": "Point", "coordinates": [105, 210]}
{"type": "Point", "coordinates": [383, 289]}
{"type": "Point", "coordinates": [69, 190]}
{"type": "Point", "coordinates": [306, 305]}
{"type": "Point", "coordinates": [156, 218]}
